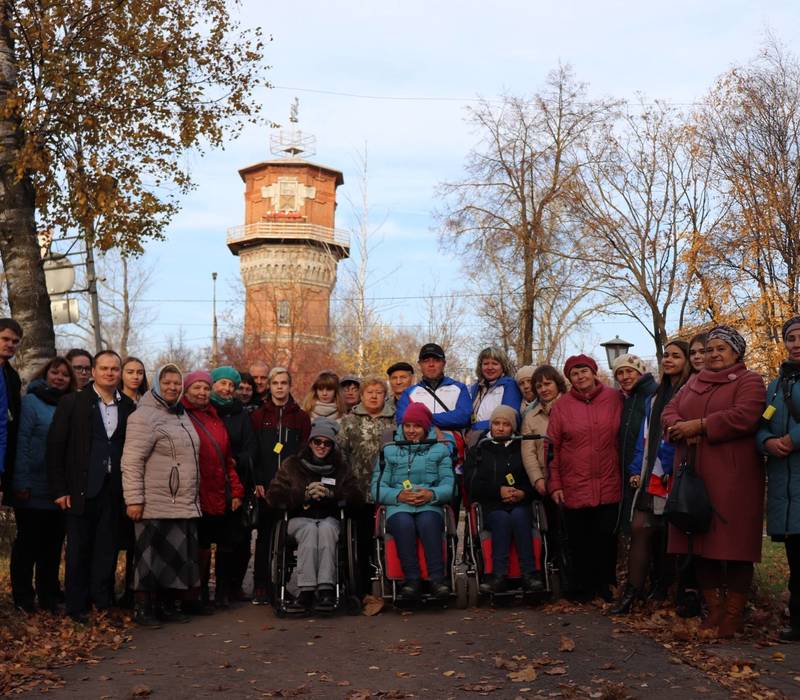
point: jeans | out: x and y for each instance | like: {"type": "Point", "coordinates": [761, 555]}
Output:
{"type": "Point", "coordinates": [504, 524]}
{"type": "Point", "coordinates": [316, 551]}
{"type": "Point", "coordinates": [429, 525]}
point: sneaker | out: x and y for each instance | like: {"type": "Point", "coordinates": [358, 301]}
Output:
{"type": "Point", "coordinates": [302, 603]}
{"type": "Point", "coordinates": [410, 589]}
{"type": "Point", "coordinates": [532, 583]}
{"type": "Point", "coordinates": [259, 596]}
{"type": "Point", "coordinates": [440, 590]}
{"type": "Point", "coordinates": [324, 601]}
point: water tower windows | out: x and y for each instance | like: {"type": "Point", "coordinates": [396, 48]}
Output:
{"type": "Point", "coordinates": [284, 317]}
{"type": "Point", "coordinates": [288, 195]}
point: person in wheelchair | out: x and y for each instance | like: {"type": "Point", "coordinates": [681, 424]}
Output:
{"type": "Point", "coordinates": [311, 485]}
{"type": "Point", "coordinates": [497, 480]}
{"type": "Point", "coordinates": [416, 482]}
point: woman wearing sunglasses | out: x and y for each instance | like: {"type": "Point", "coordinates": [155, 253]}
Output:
{"type": "Point", "coordinates": [311, 485]}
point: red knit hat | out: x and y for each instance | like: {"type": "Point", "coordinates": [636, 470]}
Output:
{"type": "Point", "coordinates": [579, 361]}
{"type": "Point", "coordinates": [418, 413]}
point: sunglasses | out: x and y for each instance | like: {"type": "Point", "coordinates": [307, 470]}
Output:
{"type": "Point", "coordinates": [321, 442]}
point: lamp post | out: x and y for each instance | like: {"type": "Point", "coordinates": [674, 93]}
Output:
{"type": "Point", "coordinates": [614, 349]}
{"type": "Point", "coordinates": [214, 348]}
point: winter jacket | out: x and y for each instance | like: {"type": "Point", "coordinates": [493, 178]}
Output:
{"type": "Point", "coordinates": [160, 469]}
{"type": "Point", "coordinates": [783, 473]}
{"type": "Point", "coordinates": [731, 402]}
{"type": "Point", "coordinates": [535, 453]}
{"type": "Point", "coordinates": [288, 425]}
{"type": "Point", "coordinates": [634, 407]}
{"type": "Point", "coordinates": [30, 466]}
{"type": "Point", "coordinates": [219, 482]}
{"type": "Point", "coordinates": [583, 430]}
{"type": "Point", "coordinates": [451, 411]}
{"type": "Point", "coordinates": [494, 465]}
{"type": "Point", "coordinates": [503, 390]}
{"type": "Point", "coordinates": [288, 488]}
{"type": "Point", "coordinates": [361, 438]}
{"type": "Point", "coordinates": [243, 440]}
{"type": "Point", "coordinates": [425, 466]}
{"type": "Point", "coordinates": [8, 437]}
{"type": "Point", "coordinates": [69, 445]}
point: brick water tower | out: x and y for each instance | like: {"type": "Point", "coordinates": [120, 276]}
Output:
{"type": "Point", "coordinates": [289, 248]}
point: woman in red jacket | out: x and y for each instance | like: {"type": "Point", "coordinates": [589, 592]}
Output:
{"type": "Point", "coordinates": [221, 492]}
{"type": "Point", "coordinates": [585, 475]}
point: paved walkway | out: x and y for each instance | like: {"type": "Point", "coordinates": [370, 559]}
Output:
{"type": "Point", "coordinates": [514, 653]}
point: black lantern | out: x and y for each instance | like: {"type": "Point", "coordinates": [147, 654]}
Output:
{"type": "Point", "coordinates": [615, 348]}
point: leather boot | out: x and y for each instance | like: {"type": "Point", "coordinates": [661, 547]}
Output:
{"type": "Point", "coordinates": [625, 603]}
{"type": "Point", "coordinates": [733, 614]}
{"type": "Point", "coordinates": [716, 604]}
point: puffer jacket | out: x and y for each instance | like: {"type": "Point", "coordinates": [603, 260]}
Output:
{"type": "Point", "coordinates": [219, 482]}
{"type": "Point", "coordinates": [783, 473]}
{"type": "Point", "coordinates": [584, 430]}
{"type": "Point", "coordinates": [361, 438]}
{"type": "Point", "coordinates": [30, 467]}
{"type": "Point", "coordinates": [243, 440]}
{"type": "Point", "coordinates": [425, 466]}
{"type": "Point", "coordinates": [288, 488]}
{"type": "Point", "coordinates": [535, 452]}
{"type": "Point", "coordinates": [494, 465]}
{"type": "Point", "coordinates": [159, 462]}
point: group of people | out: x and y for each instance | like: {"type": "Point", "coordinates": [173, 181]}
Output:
{"type": "Point", "coordinates": [186, 463]}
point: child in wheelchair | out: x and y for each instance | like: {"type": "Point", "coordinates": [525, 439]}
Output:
{"type": "Point", "coordinates": [497, 480]}
{"type": "Point", "coordinates": [311, 486]}
{"type": "Point", "coordinates": [414, 484]}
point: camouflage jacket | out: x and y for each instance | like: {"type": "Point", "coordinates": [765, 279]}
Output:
{"type": "Point", "coordinates": [360, 439]}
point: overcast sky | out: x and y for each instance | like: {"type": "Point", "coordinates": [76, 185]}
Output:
{"type": "Point", "coordinates": [443, 53]}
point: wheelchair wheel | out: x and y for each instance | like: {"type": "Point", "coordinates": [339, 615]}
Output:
{"type": "Point", "coordinates": [472, 591]}
{"type": "Point", "coordinates": [351, 544]}
{"type": "Point", "coordinates": [462, 598]}
{"type": "Point", "coordinates": [277, 567]}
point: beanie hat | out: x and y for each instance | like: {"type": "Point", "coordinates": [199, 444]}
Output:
{"type": "Point", "coordinates": [731, 336]}
{"type": "Point", "coordinates": [226, 372]}
{"type": "Point", "coordinates": [199, 375]}
{"type": "Point", "coordinates": [525, 372]}
{"type": "Point", "coordinates": [418, 413]}
{"type": "Point", "coordinates": [325, 428]}
{"type": "Point", "coordinates": [632, 361]}
{"type": "Point", "coordinates": [579, 361]}
{"type": "Point", "coordinates": [789, 325]}
{"type": "Point", "coordinates": [505, 413]}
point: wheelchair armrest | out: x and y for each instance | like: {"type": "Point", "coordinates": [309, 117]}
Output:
{"type": "Point", "coordinates": [476, 518]}
{"type": "Point", "coordinates": [450, 525]}
{"type": "Point", "coordinates": [380, 522]}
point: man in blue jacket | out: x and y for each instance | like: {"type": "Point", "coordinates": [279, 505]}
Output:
{"type": "Point", "coordinates": [447, 399]}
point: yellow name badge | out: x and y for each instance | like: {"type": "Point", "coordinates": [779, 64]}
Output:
{"type": "Point", "coordinates": [278, 448]}
{"type": "Point", "coordinates": [769, 411]}
{"type": "Point", "coordinates": [510, 479]}
{"type": "Point", "coordinates": [407, 484]}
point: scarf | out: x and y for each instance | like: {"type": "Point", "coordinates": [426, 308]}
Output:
{"type": "Point", "coordinates": [317, 467]}
{"type": "Point", "coordinates": [323, 409]}
{"type": "Point", "coordinates": [44, 392]}
{"type": "Point", "coordinates": [219, 401]}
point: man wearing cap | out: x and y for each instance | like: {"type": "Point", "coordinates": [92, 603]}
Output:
{"type": "Point", "coordinates": [401, 376]}
{"type": "Point", "coordinates": [350, 385]}
{"type": "Point", "coordinates": [84, 450]}
{"type": "Point", "coordinates": [447, 399]}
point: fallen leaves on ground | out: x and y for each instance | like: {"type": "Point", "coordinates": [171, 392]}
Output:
{"type": "Point", "coordinates": [524, 675]}
{"type": "Point", "coordinates": [372, 605]}
{"type": "Point", "coordinates": [567, 644]}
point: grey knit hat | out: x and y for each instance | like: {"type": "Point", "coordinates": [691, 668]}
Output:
{"type": "Point", "coordinates": [324, 427]}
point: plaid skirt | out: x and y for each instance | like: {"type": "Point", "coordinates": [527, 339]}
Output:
{"type": "Point", "coordinates": [166, 555]}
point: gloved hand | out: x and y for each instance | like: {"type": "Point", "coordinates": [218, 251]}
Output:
{"type": "Point", "coordinates": [316, 491]}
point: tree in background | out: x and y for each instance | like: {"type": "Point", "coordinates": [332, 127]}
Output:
{"type": "Point", "coordinates": [506, 216]}
{"type": "Point", "coordinates": [101, 101]}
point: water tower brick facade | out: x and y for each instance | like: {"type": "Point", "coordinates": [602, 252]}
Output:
{"type": "Point", "coordinates": [288, 250]}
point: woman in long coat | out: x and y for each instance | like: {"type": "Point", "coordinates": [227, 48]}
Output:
{"type": "Point", "coordinates": [718, 411]}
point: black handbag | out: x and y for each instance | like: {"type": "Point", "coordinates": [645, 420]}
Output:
{"type": "Point", "coordinates": [688, 506]}
{"type": "Point", "coordinates": [250, 511]}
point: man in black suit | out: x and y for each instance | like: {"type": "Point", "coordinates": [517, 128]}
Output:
{"type": "Point", "coordinates": [10, 387]}
{"type": "Point", "coordinates": [84, 449]}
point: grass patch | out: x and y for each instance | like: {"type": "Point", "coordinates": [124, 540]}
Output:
{"type": "Point", "coordinates": [772, 573]}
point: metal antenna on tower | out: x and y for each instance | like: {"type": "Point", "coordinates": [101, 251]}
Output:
{"type": "Point", "coordinates": [292, 142]}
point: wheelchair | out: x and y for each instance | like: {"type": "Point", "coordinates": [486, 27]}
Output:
{"type": "Point", "coordinates": [478, 552]}
{"type": "Point", "coordinates": [283, 559]}
{"type": "Point", "coordinates": [387, 571]}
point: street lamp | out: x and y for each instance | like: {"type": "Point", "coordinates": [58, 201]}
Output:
{"type": "Point", "coordinates": [615, 348]}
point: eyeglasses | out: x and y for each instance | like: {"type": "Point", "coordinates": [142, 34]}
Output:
{"type": "Point", "coordinates": [321, 442]}
{"type": "Point", "coordinates": [83, 369]}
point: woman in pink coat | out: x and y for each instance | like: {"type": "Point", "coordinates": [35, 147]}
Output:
{"type": "Point", "coordinates": [718, 411]}
{"type": "Point", "coordinates": [585, 475]}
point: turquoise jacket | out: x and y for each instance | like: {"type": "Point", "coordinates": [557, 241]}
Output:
{"type": "Point", "coordinates": [425, 466]}
{"type": "Point", "coordinates": [783, 473]}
